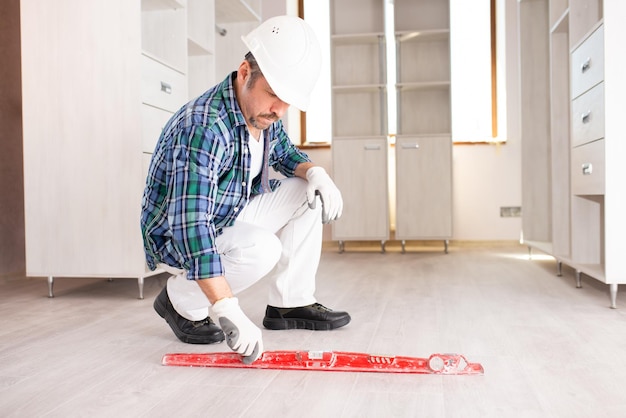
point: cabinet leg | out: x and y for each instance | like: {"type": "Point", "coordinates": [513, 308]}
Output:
{"type": "Point", "coordinates": [140, 282]}
{"type": "Point", "coordinates": [613, 290]}
{"type": "Point", "coordinates": [578, 280]}
{"type": "Point", "coordinates": [445, 246]}
{"type": "Point", "coordinates": [559, 268]}
{"type": "Point", "coordinates": [403, 243]}
{"type": "Point", "coordinates": [50, 286]}
{"type": "Point", "coordinates": [530, 253]}
{"type": "Point", "coordinates": [382, 246]}
{"type": "Point", "coordinates": [341, 247]}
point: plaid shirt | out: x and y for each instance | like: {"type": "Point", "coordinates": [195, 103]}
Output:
{"type": "Point", "coordinates": [197, 181]}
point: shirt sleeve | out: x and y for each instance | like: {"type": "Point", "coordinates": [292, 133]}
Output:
{"type": "Point", "coordinates": [193, 199]}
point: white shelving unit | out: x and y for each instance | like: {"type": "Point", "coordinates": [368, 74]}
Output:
{"type": "Point", "coordinates": [583, 202]}
{"type": "Point", "coordinates": [99, 80]}
{"type": "Point", "coordinates": [423, 147]}
{"type": "Point", "coordinates": [200, 46]}
{"type": "Point", "coordinates": [424, 141]}
{"type": "Point", "coordinates": [229, 11]}
{"type": "Point", "coordinates": [359, 101]}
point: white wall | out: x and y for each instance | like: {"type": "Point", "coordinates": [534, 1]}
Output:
{"type": "Point", "coordinates": [486, 177]}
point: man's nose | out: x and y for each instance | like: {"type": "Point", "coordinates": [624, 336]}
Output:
{"type": "Point", "coordinates": [280, 108]}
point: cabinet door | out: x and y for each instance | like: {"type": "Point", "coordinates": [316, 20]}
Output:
{"type": "Point", "coordinates": [423, 187]}
{"type": "Point", "coordinates": [82, 148]}
{"type": "Point", "coordinates": [360, 172]}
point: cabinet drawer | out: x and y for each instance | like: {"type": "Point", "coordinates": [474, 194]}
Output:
{"type": "Point", "coordinates": [588, 63]}
{"type": "Point", "coordinates": [162, 86]}
{"type": "Point", "coordinates": [588, 169]}
{"type": "Point", "coordinates": [153, 121]}
{"type": "Point", "coordinates": [588, 116]}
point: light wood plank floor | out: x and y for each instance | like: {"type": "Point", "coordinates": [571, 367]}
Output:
{"type": "Point", "coordinates": [548, 349]}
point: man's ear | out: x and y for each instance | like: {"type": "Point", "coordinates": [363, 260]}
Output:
{"type": "Point", "coordinates": [243, 72]}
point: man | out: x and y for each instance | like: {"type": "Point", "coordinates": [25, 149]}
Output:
{"type": "Point", "coordinates": [213, 218]}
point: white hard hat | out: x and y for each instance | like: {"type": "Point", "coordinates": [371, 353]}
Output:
{"type": "Point", "coordinates": [289, 56]}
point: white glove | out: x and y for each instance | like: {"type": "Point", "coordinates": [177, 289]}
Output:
{"type": "Point", "coordinates": [321, 183]}
{"type": "Point", "coordinates": [242, 335]}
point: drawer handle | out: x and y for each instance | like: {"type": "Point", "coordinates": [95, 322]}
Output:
{"type": "Point", "coordinates": [371, 147]}
{"type": "Point", "coordinates": [586, 116]}
{"type": "Point", "coordinates": [410, 146]}
{"type": "Point", "coordinates": [166, 88]}
{"type": "Point", "coordinates": [587, 169]}
{"type": "Point", "coordinates": [586, 65]}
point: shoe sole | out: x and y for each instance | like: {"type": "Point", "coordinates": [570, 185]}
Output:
{"type": "Point", "coordinates": [282, 323]}
{"type": "Point", "coordinates": [186, 338]}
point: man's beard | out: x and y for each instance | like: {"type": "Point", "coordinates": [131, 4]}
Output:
{"type": "Point", "coordinates": [270, 117]}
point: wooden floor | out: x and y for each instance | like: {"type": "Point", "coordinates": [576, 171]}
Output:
{"type": "Point", "coordinates": [548, 349]}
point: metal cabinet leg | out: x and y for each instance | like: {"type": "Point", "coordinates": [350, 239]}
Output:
{"type": "Point", "coordinates": [50, 286]}
{"type": "Point", "coordinates": [530, 253]}
{"type": "Point", "coordinates": [613, 288]}
{"type": "Point", "coordinates": [382, 246]}
{"type": "Point", "coordinates": [140, 281]}
{"type": "Point", "coordinates": [578, 280]}
{"type": "Point", "coordinates": [445, 244]}
{"type": "Point", "coordinates": [403, 243]}
{"type": "Point", "coordinates": [559, 268]}
{"type": "Point", "coordinates": [341, 247]}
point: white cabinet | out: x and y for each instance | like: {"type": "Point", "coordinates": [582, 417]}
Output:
{"type": "Point", "coordinates": [424, 141]}
{"type": "Point", "coordinates": [359, 116]}
{"type": "Point", "coordinates": [99, 80]}
{"type": "Point", "coordinates": [587, 147]}
{"type": "Point", "coordinates": [423, 150]}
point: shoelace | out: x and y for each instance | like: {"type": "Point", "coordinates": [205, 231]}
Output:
{"type": "Point", "coordinates": [321, 307]}
{"type": "Point", "coordinates": [198, 324]}
{"type": "Point", "coordinates": [316, 306]}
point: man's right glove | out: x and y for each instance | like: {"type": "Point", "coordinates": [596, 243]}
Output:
{"type": "Point", "coordinates": [320, 183]}
{"type": "Point", "coordinates": [242, 335]}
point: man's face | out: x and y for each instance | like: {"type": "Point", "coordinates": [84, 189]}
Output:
{"type": "Point", "coordinates": [259, 104]}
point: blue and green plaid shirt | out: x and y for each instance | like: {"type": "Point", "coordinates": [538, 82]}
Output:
{"type": "Point", "coordinates": [197, 181]}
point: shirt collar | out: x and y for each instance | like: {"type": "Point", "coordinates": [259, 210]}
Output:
{"type": "Point", "coordinates": [232, 106]}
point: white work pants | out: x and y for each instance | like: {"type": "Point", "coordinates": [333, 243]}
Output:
{"type": "Point", "coordinates": [276, 234]}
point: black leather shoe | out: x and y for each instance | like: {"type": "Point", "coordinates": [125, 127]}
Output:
{"type": "Point", "coordinates": [316, 317]}
{"type": "Point", "coordinates": [192, 332]}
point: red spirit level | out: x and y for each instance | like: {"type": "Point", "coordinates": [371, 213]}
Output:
{"type": "Point", "coordinates": [331, 361]}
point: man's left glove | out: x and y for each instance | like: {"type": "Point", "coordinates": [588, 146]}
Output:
{"type": "Point", "coordinates": [242, 335]}
{"type": "Point", "coordinates": [321, 183]}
